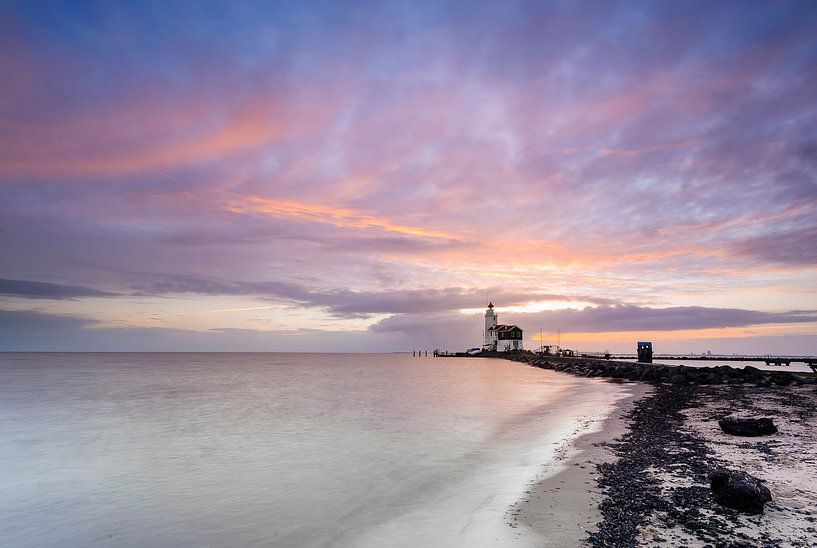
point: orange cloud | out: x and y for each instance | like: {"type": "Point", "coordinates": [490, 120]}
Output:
{"type": "Point", "coordinates": [322, 213]}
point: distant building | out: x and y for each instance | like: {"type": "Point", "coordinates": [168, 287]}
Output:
{"type": "Point", "coordinates": [500, 337]}
{"type": "Point", "coordinates": [644, 352]}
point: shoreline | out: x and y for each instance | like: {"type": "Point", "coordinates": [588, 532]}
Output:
{"type": "Point", "coordinates": [561, 508]}
{"type": "Point", "coordinates": [642, 479]}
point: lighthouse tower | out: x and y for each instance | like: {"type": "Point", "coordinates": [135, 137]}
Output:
{"type": "Point", "coordinates": [490, 328]}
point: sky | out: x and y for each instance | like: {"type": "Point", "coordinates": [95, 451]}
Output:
{"type": "Point", "coordinates": [366, 176]}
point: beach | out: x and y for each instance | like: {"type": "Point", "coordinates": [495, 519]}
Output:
{"type": "Point", "coordinates": [562, 508]}
{"type": "Point", "coordinates": [644, 479]}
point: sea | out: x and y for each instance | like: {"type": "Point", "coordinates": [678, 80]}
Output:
{"type": "Point", "coordinates": [276, 449]}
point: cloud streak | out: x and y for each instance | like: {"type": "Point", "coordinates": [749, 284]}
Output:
{"type": "Point", "coordinates": [322, 213]}
{"type": "Point", "coordinates": [44, 290]}
{"type": "Point", "coordinates": [356, 303]}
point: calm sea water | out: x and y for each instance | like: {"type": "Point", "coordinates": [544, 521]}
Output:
{"type": "Point", "coordinates": [275, 449]}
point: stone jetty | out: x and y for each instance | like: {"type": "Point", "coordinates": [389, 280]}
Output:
{"type": "Point", "coordinates": [676, 374]}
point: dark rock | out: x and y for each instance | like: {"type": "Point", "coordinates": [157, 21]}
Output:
{"type": "Point", "coordinates": [675, 374]}
{"type": "Point", "coordinates": [748, 427]}
{"type": "Point", "coordinates": [739, 491]}
{"type": "Point", "coordinates": [711, 378]}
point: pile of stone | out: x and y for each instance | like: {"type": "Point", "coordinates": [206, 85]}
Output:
{"type": "Point", "coordinates": [677, 374]}
{"type": "Point", "coordinates": [763, 426]}
{"type": "Point", "coordinates": [739, 491]}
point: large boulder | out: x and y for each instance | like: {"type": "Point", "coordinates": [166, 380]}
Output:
{"type": "Point", "coordinates": [748, 427]}
{"type": "Point", "coordinates": [739, 490]}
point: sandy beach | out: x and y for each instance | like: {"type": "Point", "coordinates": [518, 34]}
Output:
{"type": "Point", "coordinates": [643, 478]}
{"type": "Point", "coordinates": [562, 508]}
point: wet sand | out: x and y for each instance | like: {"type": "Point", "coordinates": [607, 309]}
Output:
{"type": "Point", "coordinates": [561, 507]}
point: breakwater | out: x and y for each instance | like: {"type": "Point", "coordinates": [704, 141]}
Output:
{"type": "Point", "coordinates": [723, 374]}
{"type": "Point", "coordinates": [658, 492]}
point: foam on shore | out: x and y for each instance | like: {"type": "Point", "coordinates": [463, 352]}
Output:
{"type": "Point", "coordinates": [561, 506]}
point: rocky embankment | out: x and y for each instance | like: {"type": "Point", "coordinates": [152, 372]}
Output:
{"type": "Point", "coordinates": [663, 487]}
{"type": "Point", "coordinates": [676, 374]}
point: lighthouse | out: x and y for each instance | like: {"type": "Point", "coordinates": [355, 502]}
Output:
{"type": "Point", "coordinates": [498, 337]}
{"type": "Point", "coordinates": [490, 325]}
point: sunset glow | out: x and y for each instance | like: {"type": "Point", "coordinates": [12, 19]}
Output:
{"type": "Point", "coordinates": [363, 177]}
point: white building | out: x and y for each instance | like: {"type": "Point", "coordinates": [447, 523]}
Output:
{"type": "Point", "coordinates": [498, 336]}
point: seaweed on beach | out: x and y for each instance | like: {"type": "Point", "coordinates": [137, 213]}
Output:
{"type": "Point", "coordinates": [657, 444]}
